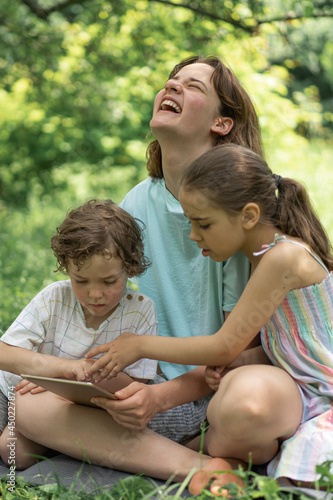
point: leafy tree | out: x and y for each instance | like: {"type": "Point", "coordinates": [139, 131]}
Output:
{"type": "Point", "coordinates": [78, 81]}
{"type": "Point", "coordinates": [247, 15]}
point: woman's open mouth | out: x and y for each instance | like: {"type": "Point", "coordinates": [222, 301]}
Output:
{"type": "Point", "coordinates": [168, 105]}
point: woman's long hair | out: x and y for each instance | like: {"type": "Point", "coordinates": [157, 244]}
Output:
{"type": "Point", "coordinates": [235, 103]}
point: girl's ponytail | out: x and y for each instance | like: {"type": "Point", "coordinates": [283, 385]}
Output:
{"type": "Point", "coordinates": [231, 176]}
{"type": "Point", "coordinates": [296, 217]}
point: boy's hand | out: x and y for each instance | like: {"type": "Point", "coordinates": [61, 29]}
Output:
{"type": "Point", "coordinates": [213, 376]}
{"type": "Point", "coordinates": [76, 369]}
{"type": "Point", "coordinates": [25, 386]}
{"type": "Point", "coordinates": [121, 352]}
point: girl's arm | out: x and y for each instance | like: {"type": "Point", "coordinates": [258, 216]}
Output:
{"type": "Point", "coordinates": [188, 387]}
{"type": "Point", "coordinates": [253, 356]}
{"type": "Point", "coordinates": [273, 278]}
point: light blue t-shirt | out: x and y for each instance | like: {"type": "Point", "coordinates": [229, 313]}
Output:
{"type": "Point", "coordinates": [190, 291]}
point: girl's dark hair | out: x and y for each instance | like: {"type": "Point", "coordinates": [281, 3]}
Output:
{"type": "Point", "coordinates": [235, 104]}
{"type": "Point", "coordinates": [230, 176]}
{"type": "Point", "coordinates": [99, 228]}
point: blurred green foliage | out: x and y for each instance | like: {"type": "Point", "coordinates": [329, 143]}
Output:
{"type": "Point", "coordinates": [76, 97]}
{"type": "Point", "coordinates": [77, 89]}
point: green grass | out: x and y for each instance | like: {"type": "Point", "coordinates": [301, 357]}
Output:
{"type": "Point", "coordinates": [140, 488]}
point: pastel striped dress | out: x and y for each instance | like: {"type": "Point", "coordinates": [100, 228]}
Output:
{"type": "Point", "coordinates": [299, 339]}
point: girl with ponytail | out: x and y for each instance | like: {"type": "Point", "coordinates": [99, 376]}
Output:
{"type": "Point", "coordinates": [281, 410]}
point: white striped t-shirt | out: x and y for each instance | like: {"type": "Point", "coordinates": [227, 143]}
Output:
{"type": "Point", "coordinates": [53, 323]}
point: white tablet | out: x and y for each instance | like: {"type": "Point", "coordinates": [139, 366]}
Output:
{"type": "Point", "coordinates": [73, 390]}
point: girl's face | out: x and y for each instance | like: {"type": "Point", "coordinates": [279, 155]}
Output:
{"type": "Point", "coordinates": [217, 233]}
{"type": "Point", "coordinates": [98, 285]}
{"type": "Point", "coordinates": [188, 105]}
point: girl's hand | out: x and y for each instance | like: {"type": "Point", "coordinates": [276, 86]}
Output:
{"type": "Point", "coordinates": [121, 352]}
{"type": "Point", "coordinates": [25, 386]}
{"type": "Point", "coordinates": [213, 376]}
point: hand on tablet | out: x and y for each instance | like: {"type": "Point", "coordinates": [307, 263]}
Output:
{"type": "Point", "coordinates": [136, 405]}
{"type": "Point", "coordinates": [25, 386]}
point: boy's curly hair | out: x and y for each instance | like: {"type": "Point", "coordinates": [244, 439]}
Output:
{"type": "Point", "coordinates": [100, 227]}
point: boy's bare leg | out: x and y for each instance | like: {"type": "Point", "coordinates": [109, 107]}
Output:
{"type": "Point", "coordinates": [16, 449]}
{"type": "Point", "coordinates": [91, 434]}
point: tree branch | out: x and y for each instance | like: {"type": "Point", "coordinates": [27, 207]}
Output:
{"type": "Point", "coordinates": [226, 19]}
{"type": "Point", "coordinates": [36, 9]}
{"type": "Point", "coordinates": [293, 17]}
{"type": "Point", "coordinates": [44, 13]}
{"type": "Point", "coordinates": [63, 5]}
{"type": "Point", "coordinates": [256, 22]}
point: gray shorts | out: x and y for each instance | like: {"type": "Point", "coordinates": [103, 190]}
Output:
{"type": "Point", "coordinates": [3, 412]}
{"type": "Point", "coordinates": [182, 422]}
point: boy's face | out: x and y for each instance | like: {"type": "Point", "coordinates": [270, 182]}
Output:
{"type": "Point", "coordinates": [98, 285]}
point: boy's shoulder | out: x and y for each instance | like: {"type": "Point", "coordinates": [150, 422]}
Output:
{"type": "Point", "coordinates": [137, 301]}
{"type": "Point", "coordinates": [139, 310]}
{"type": "Point", "coordinates": [133, 297]}
{"type": "Point", "coordinates": [57, 289]}
{"type": "Point", "coordinates": [57, 298]}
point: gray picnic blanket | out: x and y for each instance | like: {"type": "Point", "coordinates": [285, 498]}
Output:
{"type": "Point", "coordinates": [79, 476]}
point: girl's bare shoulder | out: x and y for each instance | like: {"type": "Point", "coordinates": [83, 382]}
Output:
{"type": "Point", "coordinates": [283, 254]}
{"type": "Point", "coordinates": [294, 263]}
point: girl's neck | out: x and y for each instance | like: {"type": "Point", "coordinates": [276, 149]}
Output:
{"type": "Point", "coordinates": [262, 234]}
